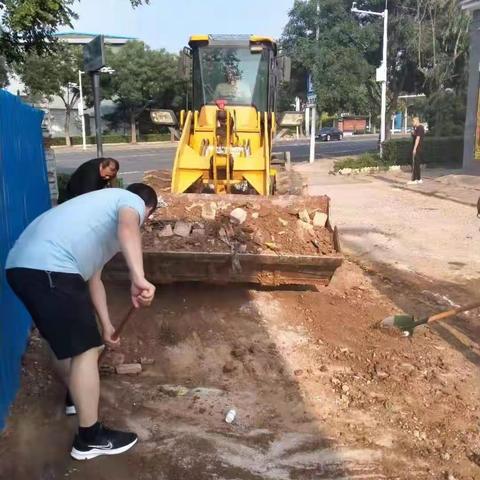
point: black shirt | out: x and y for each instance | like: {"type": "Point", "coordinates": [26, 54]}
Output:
{"type": "Point", "coordinates": [85, 179]}
{"type": "Point", "coordinates": [418, 131]}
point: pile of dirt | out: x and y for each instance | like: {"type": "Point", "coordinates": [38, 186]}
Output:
{"type": "Point", "coordinates": [239, 223]}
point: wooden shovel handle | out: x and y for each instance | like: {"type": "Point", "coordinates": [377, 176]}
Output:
{"type": "Point", "coordinates": [453, 312]}
{"type": "Point", "coordinates": [119, 329]}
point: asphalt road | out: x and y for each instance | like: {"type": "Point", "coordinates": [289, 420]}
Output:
{"type": "Point", "coordinates": [136, 159]}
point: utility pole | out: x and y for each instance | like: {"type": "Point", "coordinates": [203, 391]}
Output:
{"type": "Point", "coordinates": [98, 115]}
{"type": "Point", "coordinates": [314, 103]}
{"type": "Point", "coordinates": [81, 111]}
{"type": "Point", "coordinates": [384, 77]}
{"type": "Point", "coordinates": [382, 70]}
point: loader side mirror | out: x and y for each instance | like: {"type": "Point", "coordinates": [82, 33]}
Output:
{"type": "Point", "coordinates": [284, 68]}
{"type": "Point", "coordinates": [290, 119]}
{"type": "Point", "coordinates": [185, 64]}
{"type": "Point", "coordinates": [164, 117]}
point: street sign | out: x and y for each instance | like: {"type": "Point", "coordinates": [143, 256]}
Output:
{"type": "Point", "coordinates": [381, 74]}
{"type": "Point", "coordinates": [290, 119]}
{"type": "Point", "coordinates": [311, 100]}
{"type": "Point", "coordinates": [310, 86]}
{"type": "Point", "coordinates": [94, 54]}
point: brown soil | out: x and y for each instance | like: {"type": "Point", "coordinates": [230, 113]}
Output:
{"type": "Point", "coordinates": [271, 225]}
{"type": "Point", "coordinates": [319, 393]}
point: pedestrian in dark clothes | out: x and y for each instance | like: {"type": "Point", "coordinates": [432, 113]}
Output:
{"type": "Point", "coordinates": [93, 175]}
{"type": "Point", "coordinates": [418, 133]}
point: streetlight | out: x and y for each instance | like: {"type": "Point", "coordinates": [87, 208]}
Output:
{"type": "Point", "coordinates": [382, 70]}
{"type": "Point", "coordinates": [81, 110]}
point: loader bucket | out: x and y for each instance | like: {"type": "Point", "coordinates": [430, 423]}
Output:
{"type": "Point", "coordinates": [210, 257]}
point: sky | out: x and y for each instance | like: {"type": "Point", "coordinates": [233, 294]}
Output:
{"type": "Point", "coordinates": [168, 24]}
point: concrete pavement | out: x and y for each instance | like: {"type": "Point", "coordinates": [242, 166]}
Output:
{"type": "Point", "coordinates": [430, 230]}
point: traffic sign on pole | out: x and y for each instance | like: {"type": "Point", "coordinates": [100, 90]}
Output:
{"type": "Point", "coordinates": [94, 54]}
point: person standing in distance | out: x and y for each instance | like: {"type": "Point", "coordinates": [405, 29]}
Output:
{"type": "Point", "coordinates": [55, 269]}
{"type": "Point", "coordinates": [418, 134]}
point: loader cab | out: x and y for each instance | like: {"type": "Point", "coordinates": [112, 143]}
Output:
{"type": "Point", "coordinates": [226, 138]}
{"type": "Point", "coordinates": [234, 71]}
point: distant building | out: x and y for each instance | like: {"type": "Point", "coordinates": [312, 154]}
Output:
{"type": "Point", "coordinates": [471, 152]}
{"type": "Point", "coordinates": [55, 108]}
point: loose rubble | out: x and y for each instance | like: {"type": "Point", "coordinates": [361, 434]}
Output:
{"type": "Point", "coordinates": [245, 224]}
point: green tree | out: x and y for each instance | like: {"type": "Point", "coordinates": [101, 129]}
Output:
{"type": "Point", "coordinates": [428, 50]}
{"type": "Point", "coordinates": [3, 73]}
{"type": "Point", "coordinates": [28, 26]}
{"type": "Point", "coordinates": [50, 75]}
{"type": "Point", "coordinates": [337, 58]}
{"type": "Point", "coordinates": [143, 78]}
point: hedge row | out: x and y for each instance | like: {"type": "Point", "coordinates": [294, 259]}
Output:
{"type": "Point", "coordinates": [150, 137]}
{"type": "Point", "coordinates": [436, 151]}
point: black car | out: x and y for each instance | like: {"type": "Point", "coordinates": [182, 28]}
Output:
{"type": "Point", "coordinates": [329, 133]}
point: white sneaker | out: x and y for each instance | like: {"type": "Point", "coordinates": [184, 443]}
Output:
{"type": "Point", "coordinates": [419, 181]}
{"type": "Point", "coordinates": [70, 410]}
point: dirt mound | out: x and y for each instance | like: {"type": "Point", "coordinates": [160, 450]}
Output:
{"type": "Point", "coordinates": [318, 392]}
{"type": "Point", "coordinates": [241, 223]}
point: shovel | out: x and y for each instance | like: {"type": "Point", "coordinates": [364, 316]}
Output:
{"type": "Point", "coordinates": [118, 330]}
{"type": "Point", "coordinates": [407, 323]}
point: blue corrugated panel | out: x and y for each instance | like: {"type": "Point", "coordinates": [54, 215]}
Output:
{"type": "Point", "coordinates": [24, 195]}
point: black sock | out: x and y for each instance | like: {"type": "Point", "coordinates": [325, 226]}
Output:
{"type": "Point", "coordinates": [88, 434]}
{"type": "Point", "coordinates": [68, 399]}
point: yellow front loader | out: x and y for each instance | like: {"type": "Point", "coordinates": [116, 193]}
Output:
{"type": "Point", "coordinates": [225, 150]}
{"type": "Point", "coordinates": [226, 139]}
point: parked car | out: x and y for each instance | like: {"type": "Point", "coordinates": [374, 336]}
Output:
{"type": "Point", "coordinates": [329, 133]}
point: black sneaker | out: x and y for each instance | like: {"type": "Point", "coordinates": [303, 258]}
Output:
{"type": "Point", "coordinates": [107, 442]}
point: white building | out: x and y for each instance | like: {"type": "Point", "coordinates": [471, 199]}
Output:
{"type": "Point", "coordinates": [55, 108]}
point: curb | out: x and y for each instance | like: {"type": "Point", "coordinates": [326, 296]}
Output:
{"type": "Point", "coordinates": [93, 145]}
{"type": "Point", "coordinates": [369, 170]}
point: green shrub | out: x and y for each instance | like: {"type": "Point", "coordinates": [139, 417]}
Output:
{"type": "Point", "coordinates": [368, 159]}
{"type": "Point", "coordinates": [436, 151]}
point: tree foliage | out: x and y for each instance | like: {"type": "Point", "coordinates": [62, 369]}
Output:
{"type": "Point", "coordinates": [427, 50]}
{"type": "Point", "coordinates": [46, 76]}
{"type": "Point", "coordinates": [143, 78]}
{"type": "Point", "coordinates": [28, 26]}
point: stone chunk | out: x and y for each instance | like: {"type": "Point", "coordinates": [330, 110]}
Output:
{"type": "Point", "coordinates": [167, 231]}
{"type": "Point", "coordinates": [303, 227]}
{"type": "Point", "coordinates": [239, 215]}
{"type": "Point", "coordinates": [174, 390]}
{"type": "Point", "coordinates": [129, 369]}
{"type": "Point", "coordinates": [147, 361]}
{"type": "Point", "coordinates": [304, 216]}
{"type": "Point", "coordinates": [283, 222]}
{"type": "Point", "coordinates": [182, 229]}
{"type": "Point", "coordinates": [209, 211]}
{"type": "Point", "coordinates": [320, 219]}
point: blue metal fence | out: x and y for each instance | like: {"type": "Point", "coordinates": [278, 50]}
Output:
{"type": "Point", "coordinates": [24, 195]}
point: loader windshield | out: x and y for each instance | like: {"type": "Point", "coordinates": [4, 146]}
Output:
{"type": "Point", "coordinates": [233, 74]}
